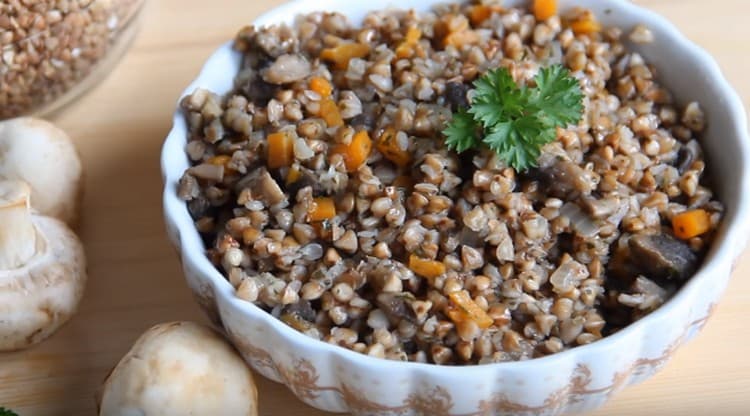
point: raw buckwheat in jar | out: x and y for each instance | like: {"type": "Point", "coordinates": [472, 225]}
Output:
{"type": "Point", "coordinates": [344, 187]}
{"type": "Point", "coordinates": [53, 50]}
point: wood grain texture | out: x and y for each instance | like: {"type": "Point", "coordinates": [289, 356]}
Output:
{"type": "Point", "coordinates": [135, 279]}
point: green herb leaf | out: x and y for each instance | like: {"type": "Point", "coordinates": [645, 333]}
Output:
{"type": "Point", "coordinates": [497, 97]}
{"type": "Point", "coordinates": [499, 137]}
{"type": "Point", "coordinates": [558, 96]}
{"type": "Point", "coordinates": [516, 122]}
{"type": "Point", "coordinates": [461, 134]}
{"type": "Point", "coordinates": [6, 412]}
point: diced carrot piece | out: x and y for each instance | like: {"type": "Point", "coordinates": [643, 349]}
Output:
{"type": "Point", "coordinates": [585, 26]}
{"type": "Point", "coordinates": [322, 208]}
{"type": "Point", "coordinates": [455, 314]}
{"type": "Point", "coordinates": [293, 175]}
{"type": "Point", "coordinates": [689, 224]}
{"type": "Point", "coordinates": [222, 160]}
{"type": "Point", "coordinates": [343, 53]}
{"type": "Point", "coordinates": [413, 35]}
{"type": "Point", "coordinates": [479, 13]}
{"type": "Point", "coordinates": [425, 267]}
{"type": "Point", "coordinates": [330, 113]}
{"type": "Point", "coordinates": [467, 309]}
{"type": "Point", "coordinates": [280, 150]}
{"type": "Point", "coordinates": [406, 48]}
{"type": "Point", "coordinates": [544, 9]}
{"type": "Point", "coordinates": [389, 147]}
{"type": "Point", "coordinates": [321, 86]}
{"type": "Point", "coordinates": [356, 152]}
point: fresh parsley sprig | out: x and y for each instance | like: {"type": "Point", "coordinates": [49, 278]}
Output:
{"type": "Point", "coordinates": [6, 412]}
{"type": "Point", "coordinates": [514, 121]}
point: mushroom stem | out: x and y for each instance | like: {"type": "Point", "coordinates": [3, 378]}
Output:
{"type": "Point", "coordinates": [17, 232]}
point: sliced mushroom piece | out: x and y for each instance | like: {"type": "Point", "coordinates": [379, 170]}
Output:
{"type": "Point", "coordinates": [189, 188]}
{"type": "Point", "coordinates": [307, 178]}
{"type": "Point", "coordinates": [561, 175]}
{"type": "Point", "coordinates": [468, 237]}
{"type": "Point", "coordinates": [180, 368]}
{"type": "Point", "coordinates": [687, 154]}
{"type": "Point", "coordinates": [366, 119]}
{"type": "Point", "coordinates": [456, 95]}
{"type": "Point", "coordinates": [42, 155]}
{"type": "Point", "coordinates": [252, 86]}
{"type": "Point", "coordinates": [662, 256]}
{"type": "Point", "coordinates": [42, 271]}
{"type": "Point", "coordinates": [250, 181]}
{"type": "Point", "coordinates": [396, 306]}
{"type": "Point", "coordinates": [620, 265]}
{"type": "Point", "coordinates": [303, 309]}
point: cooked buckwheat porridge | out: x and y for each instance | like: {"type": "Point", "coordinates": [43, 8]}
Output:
{"type": "Point", "coordinates": [359, 185]}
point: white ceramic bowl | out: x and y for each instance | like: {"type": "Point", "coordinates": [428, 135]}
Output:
{"type": "Point", "coordinates": [339, 380]}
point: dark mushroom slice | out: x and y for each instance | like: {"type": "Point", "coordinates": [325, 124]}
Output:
{"type": "Point", "coordinates": [456, 95]}
{"type": "Point", "coordinates": [396, 306]}
{"type": "Point", "coordinates": [199, 207]}
{"type": "Point", "coordinates": [189, 188]}
{"type": "Point", "coordinates": [251, 85]}
{"type": "Point", "coordinates": [258, 90]}
{"type": "Point", "coordinates": [367, 119]}
{"type": "Point", "coordinates": [560, 176]}
{"type": "Point", "coordinates": [662, 256]}
{"type": "Point", "coordinates": [303, 309]}
{"type": "Point", "coordinates": [307, 178]}
{"type": "Point", "coordinates": [687, 154]}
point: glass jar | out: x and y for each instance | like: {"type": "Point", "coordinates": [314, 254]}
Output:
{"type": "Point", "coordinates": [52, 51]}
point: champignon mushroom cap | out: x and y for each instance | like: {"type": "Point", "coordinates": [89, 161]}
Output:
{"type": "Point", "coordinates": [42, 155]}
{"type": "Point", "coordinates": [179, 369]}
{"type": "Point", "coordinates": [42, 271]}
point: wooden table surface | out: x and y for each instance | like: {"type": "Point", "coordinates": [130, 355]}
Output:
{"type": "Point", "coordinates": [135, 280]}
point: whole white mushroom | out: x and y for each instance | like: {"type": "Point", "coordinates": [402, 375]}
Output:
{"type": "Point", "coordinates": [42, 271]}
{"type": "Point", "coordinates": [180, 369]}
{"type": "Point", "coordinates": [42, 155]}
